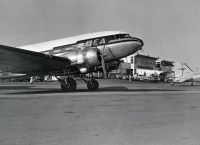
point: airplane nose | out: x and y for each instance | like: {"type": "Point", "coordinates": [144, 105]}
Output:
{"type": "Point", "coordinates": [138, 42]}
{"type": "Point", "coordinates": [125, 47]}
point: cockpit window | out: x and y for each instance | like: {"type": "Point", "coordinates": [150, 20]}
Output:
{"type": "Point", "coordinates": [117, 36]}
{"type": "Point", "coordinates": [127, 36]}
{"type": "Point", "coordinates": [109, 38]}
{"type": "Point", "coordinates": [120, 36]}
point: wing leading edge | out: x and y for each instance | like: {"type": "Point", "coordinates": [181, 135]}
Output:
{"type": "Point", "coordinates": [17, 60]}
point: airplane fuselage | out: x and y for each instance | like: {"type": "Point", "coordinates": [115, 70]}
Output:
{"type": "Point", "coordinates": [113, 45]}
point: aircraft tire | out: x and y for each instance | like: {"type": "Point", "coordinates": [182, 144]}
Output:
{"type": "Point", "coordinates": [92, 85]}
{"type": "Point", "coordinates": [69, 85]}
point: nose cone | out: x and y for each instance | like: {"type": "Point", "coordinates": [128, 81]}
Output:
{"type": "Point", "coordinates": [138, 43]}
{"type": "Point", "coordinates": [134, 45]}
{"type": "Point", "coordinates": [124, 47]}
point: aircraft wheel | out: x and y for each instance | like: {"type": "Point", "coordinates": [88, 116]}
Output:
{"type": "Point", "coordinates": [68, 85]}
{"type": "Point", "coordinates": [92, 85]}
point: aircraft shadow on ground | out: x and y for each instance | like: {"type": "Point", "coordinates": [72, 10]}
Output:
{"type": "Point", "coordinates": [196, 85]}
{"type": "Point", "coordinates": [104, 89]}
{"type": "Point", "coordinates": [21, 87]}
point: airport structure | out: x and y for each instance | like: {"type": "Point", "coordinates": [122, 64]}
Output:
{"type": "Point", "coordinates": [167, 68]}
{"type": "Point", "coordinates": [146, 67]}
{"type": "Point", "coordinates": [142, 64]}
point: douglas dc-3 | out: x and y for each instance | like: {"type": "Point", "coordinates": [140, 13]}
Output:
{"type": "Point", "coordinates": [70, 57]}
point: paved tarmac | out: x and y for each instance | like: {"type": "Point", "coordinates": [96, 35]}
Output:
{"type": "Point", "coordinates": [119, 113]}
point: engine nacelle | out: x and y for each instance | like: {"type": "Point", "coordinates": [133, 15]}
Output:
{"type": "Point", "coordinates": [84, 59]}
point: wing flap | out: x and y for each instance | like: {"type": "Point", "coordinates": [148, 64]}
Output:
{"type": "Point", "coordinates": [28, 62]}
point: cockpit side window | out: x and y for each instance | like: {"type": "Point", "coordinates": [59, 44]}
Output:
{"type": "Point", "coordinates": [110, 38]}
{"type": "Point", "coordinates": [117, 36]}
{"type": "Point", "coordinates": [126, 36]}
{"type": "Point", "coordinates": [120, 36]}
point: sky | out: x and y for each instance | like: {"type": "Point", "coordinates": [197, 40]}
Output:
{"type": "Point", "coordinates": [170, 29]}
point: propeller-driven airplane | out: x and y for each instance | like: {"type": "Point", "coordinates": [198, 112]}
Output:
{"type": "Point", "coordinates": [69, 57]}
{"type": "Point", "coordinates": [193, 77]}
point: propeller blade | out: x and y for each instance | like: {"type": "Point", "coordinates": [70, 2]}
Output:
{"type": "Point", "coordinates": [103, 67]}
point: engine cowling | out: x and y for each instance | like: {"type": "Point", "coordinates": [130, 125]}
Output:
{"type": "Point", "coordinates": [85, 59]}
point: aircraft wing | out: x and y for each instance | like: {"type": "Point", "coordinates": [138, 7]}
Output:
{"type": "Point", "coordinates": [184, 79]}
{"type": "Point", "coordinates": [22, 61]}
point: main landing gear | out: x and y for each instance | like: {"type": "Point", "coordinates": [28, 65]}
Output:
{"type": "Point", "coordinates": [69, 84]}
{"type": "Point", "coordinates": [92, 84]}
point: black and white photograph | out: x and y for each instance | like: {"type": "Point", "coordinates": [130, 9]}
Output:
{"type": "Point", "coordinates": [99, 72]}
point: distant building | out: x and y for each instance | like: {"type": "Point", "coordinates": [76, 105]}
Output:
{"type": "Point", "coordinates": [142, 64]}
{"type": "Point", "coordinates": [145, 65]}
{"type": "Point", "coordinates": [166, 67]}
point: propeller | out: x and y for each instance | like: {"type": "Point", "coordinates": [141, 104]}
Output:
{"type": "Point", "coordinates": [103, 66]}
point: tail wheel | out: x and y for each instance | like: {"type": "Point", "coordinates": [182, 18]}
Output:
{"type": "Point", "coordinates": [68, 85]}
{"type": "Point", "coordinates": [92, 84]}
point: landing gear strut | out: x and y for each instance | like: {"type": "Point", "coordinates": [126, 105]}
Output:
{"type": "Point", "coordinates": [68, 84]}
